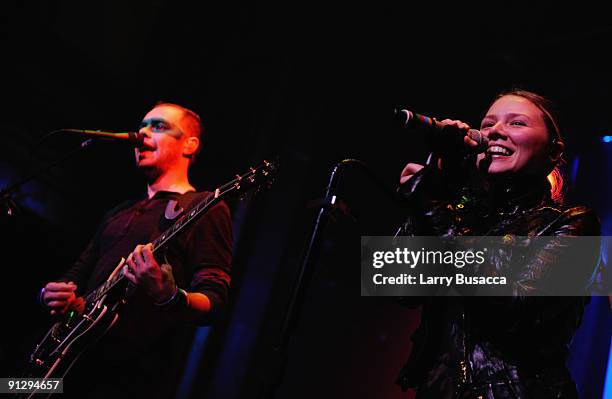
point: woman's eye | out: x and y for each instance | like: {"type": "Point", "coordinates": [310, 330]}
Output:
{"type": "Point", "coordinates": [486, 124]}
{"type": "Point", "coordinates": [518, 123]}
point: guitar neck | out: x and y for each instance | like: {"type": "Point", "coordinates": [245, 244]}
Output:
{"type": "Point", "coordinates": [163, 239]}
{"type": "Point", "coordinates": [251, 179]}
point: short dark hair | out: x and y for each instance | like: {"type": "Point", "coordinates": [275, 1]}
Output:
{"type": "Point", "coordinates": [195, 123]}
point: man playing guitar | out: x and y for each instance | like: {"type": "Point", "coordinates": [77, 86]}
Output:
{"type": "Point", "coordinates": [173, 291]}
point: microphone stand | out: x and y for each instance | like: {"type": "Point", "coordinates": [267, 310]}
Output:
{"type": "Point", "coordinates": [9, 206]}
{"type": "Point", "coordinates": [328, 204]}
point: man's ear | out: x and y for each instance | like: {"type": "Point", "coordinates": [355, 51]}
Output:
{"type": "Point", "coordinates": [556, 150]}
{"type": "Point", "coordinates": [190, 147]}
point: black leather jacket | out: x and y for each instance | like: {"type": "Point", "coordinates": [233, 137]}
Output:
{"type": "Point", "coordinates": [495, 347]}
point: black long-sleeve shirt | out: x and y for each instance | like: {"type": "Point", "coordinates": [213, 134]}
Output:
{"type": "Point", "coordinates": [145, 351]}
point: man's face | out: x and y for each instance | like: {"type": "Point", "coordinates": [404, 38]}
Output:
{"type": "Point", "coordinates": [164, 140]}
{"type": "Point", "coordinates": [518, 138]}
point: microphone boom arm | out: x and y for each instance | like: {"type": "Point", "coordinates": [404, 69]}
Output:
{"type": "Point", "coordinates": [133, 138]}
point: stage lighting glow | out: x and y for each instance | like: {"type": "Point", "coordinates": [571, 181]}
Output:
{"type": "Point", "coordinates": [607, 139]}
{"type": "Point", "coordinates": [608, 383]}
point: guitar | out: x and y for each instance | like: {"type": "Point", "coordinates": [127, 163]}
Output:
{"type": "Point", "coordinates": [99, 310]}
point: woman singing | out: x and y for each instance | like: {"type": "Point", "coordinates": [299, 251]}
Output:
{"type": "Point", "coordinates": [499, 347]}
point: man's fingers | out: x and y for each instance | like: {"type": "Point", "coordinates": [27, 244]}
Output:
{"type": "Point", "coordinates": [57, 295]}
{"type": "Point", "coordinates": [147, 254]}
{"type": "Point", "coordinates": [139, 262]}
{"type": "Point", "coordinates": [132, 267]}
{"type": "Point", "coordinates": [166, 270]}
{"type": "Point", "coordinates": [57, 304]}
{"type": "Point", "coordinates": [59, 286]}
{"type": "Point", "coordinates": [129, 275]}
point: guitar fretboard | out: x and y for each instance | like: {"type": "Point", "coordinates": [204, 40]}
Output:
{"type": "Point", "coordinates": [240, 183]}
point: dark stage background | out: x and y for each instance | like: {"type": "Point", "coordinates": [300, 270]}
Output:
{"type": "Point", "coordinates": [312, 84]}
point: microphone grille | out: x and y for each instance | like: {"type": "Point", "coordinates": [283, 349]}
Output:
{"type": "Point", "coordinates": [478, 137]}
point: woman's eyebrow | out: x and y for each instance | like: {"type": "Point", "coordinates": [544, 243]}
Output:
{"type": "Point", "coordinates": [508, 115]}
{"type": "Point", "coordinates": [515, 114]}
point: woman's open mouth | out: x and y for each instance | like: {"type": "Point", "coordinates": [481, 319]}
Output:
{"type": "Point", "coordinates": [497, 150]}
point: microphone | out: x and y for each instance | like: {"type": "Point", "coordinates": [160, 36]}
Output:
{"type": "Point", "coordinates": [445, 137]}
{"type": "Point", "coordinates": [133, 138]}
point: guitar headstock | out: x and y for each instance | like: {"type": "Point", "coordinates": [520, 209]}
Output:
{"type": "Point", "coordinates": [255, 178]}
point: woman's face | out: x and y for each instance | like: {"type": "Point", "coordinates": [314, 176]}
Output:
{"type": "Point", "coordinates": [518, 138]}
